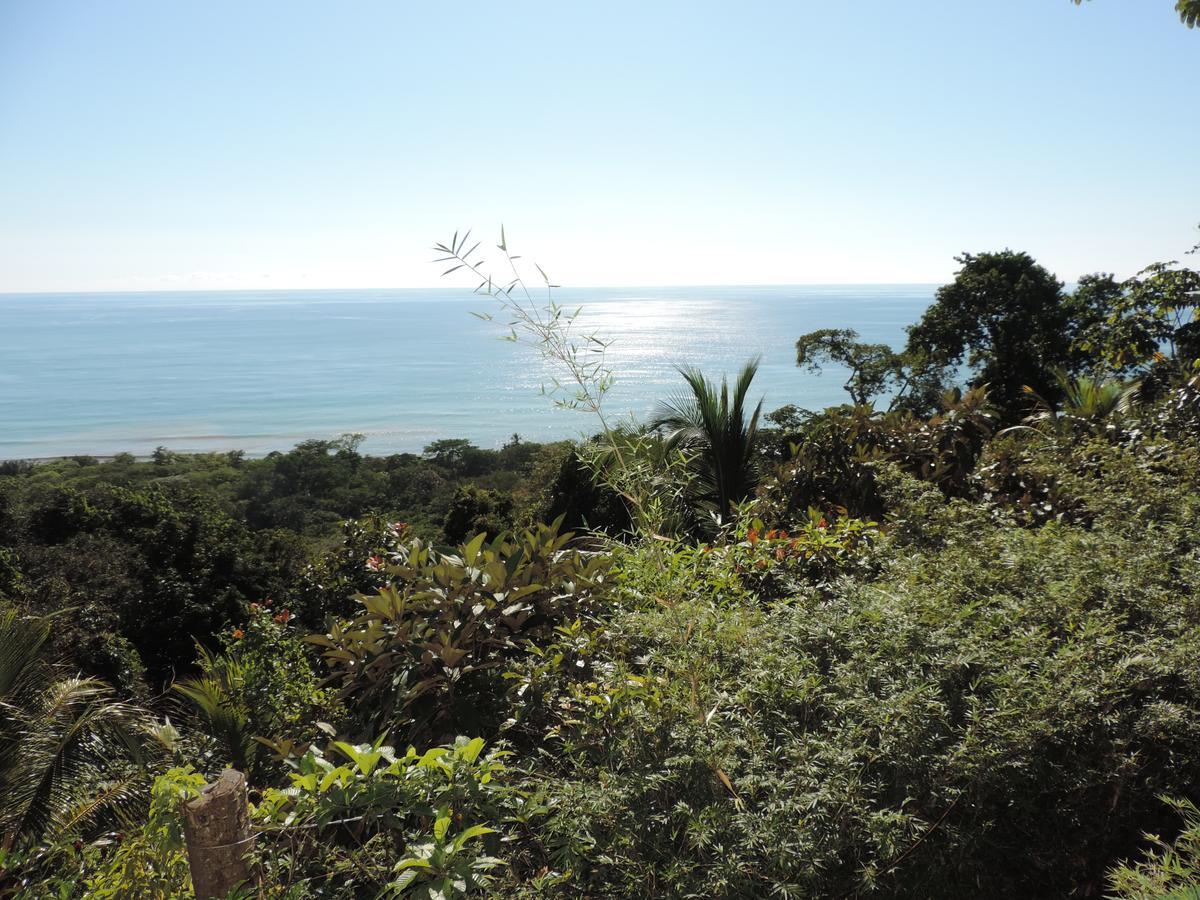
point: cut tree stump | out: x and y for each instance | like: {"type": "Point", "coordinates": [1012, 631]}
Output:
{"type": "Point", "coordinates": [216, 826]}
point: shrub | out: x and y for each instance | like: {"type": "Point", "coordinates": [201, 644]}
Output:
{"type": "Point", "coordinates": [1167, 871]}
{"type": "Point", "coordinates": [830, 468]}
{"type": "Point", "coordinates": [421, 651]}
{"type": "Point", "coordinates": [263, 685]}
{"type": "Point", "coordinates": [328, 586]}
{"type": "Point", "coordinates": [151, 863]}
{"type": "Point", "coordinates": [387, 822]}
{"type": "Point", "coordinates": [475, 511]}
{"type": "Point", "coordinates": [951, 728]}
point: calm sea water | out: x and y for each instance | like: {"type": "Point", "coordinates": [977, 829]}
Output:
{"type": "Point", "coordinates": [262, 370]}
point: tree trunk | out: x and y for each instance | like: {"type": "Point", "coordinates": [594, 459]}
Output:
{"type": "Point", "coordinates": [217, 828]}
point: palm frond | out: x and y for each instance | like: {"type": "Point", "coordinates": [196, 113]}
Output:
{"type": "Point", "coordinates": [1189, 12]}
{"type": "Point", "coordinates": [215, 699]}
{"type": "Point", "coordinates": [21, 663]}
{"type": "Point", "coordinates": [711, 420]}
{"type": "Point", "coordinates": [70, 741]}
{"type": "Point", "coordinates": [1087, 403]}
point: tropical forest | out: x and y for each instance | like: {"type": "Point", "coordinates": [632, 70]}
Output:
{"type": "Point", "coordinates": [939, 639]}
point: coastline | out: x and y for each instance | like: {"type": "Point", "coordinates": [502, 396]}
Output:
{"type": "Point", "coordinates": [220, 371]}
{"type": "Point", "coordinates": [109, 457]}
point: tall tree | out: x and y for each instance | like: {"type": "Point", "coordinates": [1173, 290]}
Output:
{"type": "Point", "coordinates": [1093, 301]}
{"type": "Point", "coordinates": [714, 423]}
{"type": "Point", "coordinates": [873, 367]}
{"type": "Point", "coordinates": [1007, 318]}
{"type": "Point", "coordinates": [1154, 316]}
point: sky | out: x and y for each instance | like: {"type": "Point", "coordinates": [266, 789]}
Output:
{"type": "Point", "coordinates": [201, 144]}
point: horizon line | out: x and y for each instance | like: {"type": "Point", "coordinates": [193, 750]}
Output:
{"type": "Point", "coordinates": [562, 287]}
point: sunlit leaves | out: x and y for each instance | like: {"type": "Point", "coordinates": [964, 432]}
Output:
{"type": "Point", "coordinates": [445, 619]}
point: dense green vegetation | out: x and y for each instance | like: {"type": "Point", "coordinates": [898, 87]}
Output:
{"type": "Point", "coordinates": [139, 560]}
{"type": "Point", "coordinates": [945, 648]}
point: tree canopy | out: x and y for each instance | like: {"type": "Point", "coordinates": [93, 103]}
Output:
{"type": "Point", "coordinates": [873, 367]}
{"type": "Point", "coordinates": [1007, 318]}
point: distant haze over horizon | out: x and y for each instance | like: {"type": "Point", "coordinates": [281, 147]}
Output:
{"type": "Point", "coordinates": [298, 145]}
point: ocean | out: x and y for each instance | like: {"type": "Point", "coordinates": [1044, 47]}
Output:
{"type": "Point", "coordinates": [258, 371]}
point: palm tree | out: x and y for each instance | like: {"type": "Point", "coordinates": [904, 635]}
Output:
{"type": "Point", "coordinates": [1087, 403]}
{"type": "Point", "coordinates": [215, 695]}
{"type": "Point", "coordinates": [712, 424]}
{"type": "Point", "coordinates": [68, 748]}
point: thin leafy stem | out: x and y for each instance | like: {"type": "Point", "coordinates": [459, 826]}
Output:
{"type": "Point", "coordinates": [550, 329]}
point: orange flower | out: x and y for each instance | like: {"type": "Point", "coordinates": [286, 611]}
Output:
{"type": "Point", "coordinates": [238, 634]}
{"type": "Point", "coordinates": [752, 536]}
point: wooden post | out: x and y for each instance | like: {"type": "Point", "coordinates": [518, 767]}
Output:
{"type": "Point", "coordinates": [216, 826]}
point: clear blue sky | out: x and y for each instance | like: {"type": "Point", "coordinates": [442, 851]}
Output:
{"type": "Point", "coordinates": [148, 145]}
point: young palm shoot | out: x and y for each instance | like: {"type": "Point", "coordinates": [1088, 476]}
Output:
{"type": "Point", "coordinates": [712, 422]}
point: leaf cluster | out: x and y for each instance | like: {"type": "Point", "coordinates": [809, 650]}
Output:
{"type": "Point", "coordinates": [420, 651]}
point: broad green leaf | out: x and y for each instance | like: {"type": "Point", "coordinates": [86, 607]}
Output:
{"type": "Point", "coordinates": [472, 750]}
{"type": "Point", "coordinates": [440, 827]}
{"type": "Point", "coordinates": [470, 834]}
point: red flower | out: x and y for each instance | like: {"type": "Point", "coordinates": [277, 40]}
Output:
{"type": "Point", "coordinates": [375, 563]}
